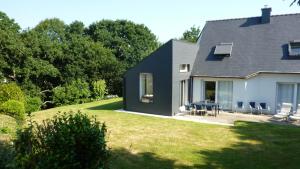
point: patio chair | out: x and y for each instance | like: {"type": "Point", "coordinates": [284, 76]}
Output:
{"type": "Point", "coordinates": [284, 111]}
{"type": "Point", "coordinates": [185, 109]}
{"type": "Point", "coordinates": [296, 114]}
{"type": "Point", "coordinates": [253, 108]}
{"type": "Point", "coordinates": [263, 107]}
{"type": "Point", "coordinates": [239, 106]}
{"type": "Point", "coordinates": [201, 109]}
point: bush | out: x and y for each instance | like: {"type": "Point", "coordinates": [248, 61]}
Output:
{"type": "Point", "coordinates": [6, 155]}
{"type": "Point", "coordinates": [13, 108]}
{"type": "Point", "coordinates": [73, 93]}
{"type": "Point", "coordinates": [11, 91]}
{"type": "Point", "coordinates": [68, 141]}
{"type": "Point", "coordinates": [99, 89]}
{"type": "Point", "coordinates": [32, 104]}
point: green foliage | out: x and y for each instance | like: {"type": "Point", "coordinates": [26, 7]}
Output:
{"type": "Point", "coordinates": [14, 109]}
{"type": "Point", "coordinates": [67, 141]}
{"type": "Point", "coordinates": [53, 54]}
{"type": "Point", "coordinates": [99, 89]}
{"type": "Point", "coordinates": [6, 155]}
{"type": "Point", "coordinates": [11, 91]}
{"type": "Point", "coordinates": [75, 92]}
{"type": "Point", "coordinates": [32, 104]}
{"type": "Point", "coordinates": [130, 42]}
{"type": "Point", "coordinates": [192, 34]}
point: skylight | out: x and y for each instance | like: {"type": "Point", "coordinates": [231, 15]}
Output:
{"type": "Point", "coordinates": [294, 48]}
{"type": "Point", "coordinates": [223, 49]}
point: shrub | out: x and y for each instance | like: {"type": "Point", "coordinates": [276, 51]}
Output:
{"type": "Point", "coordinates": [6, 155]}
{"type": "Point", "coordinates": [99, 89]}
{"type": "Point", "coordinates": [67, 141]}
{"type": "Point", "coordinates": [32, 104]}
{"type": "Point", "coordinates": [13, 108]}
{"type": "Point", "coordinates": [11, 91]}
{"type": "Point", "coordinates": [75, 92]}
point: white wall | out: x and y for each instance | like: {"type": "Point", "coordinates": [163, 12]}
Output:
{"type": "Point", "coordinates": [261, 88]}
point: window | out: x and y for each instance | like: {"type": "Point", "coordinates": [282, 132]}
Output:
{"type": "Point", "coordinates": [223, 49]}
{"type": "Point", "coordinates": [294, 48]}
{"type": "Point", "coordinates": [224, 94]}
{"type": "Point", "coordinates": [184, 68]}
{"type": "Point", "coordinates": [146, 87]}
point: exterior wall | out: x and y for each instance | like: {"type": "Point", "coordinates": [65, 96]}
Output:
{"type": "Point", "coordinates": [183, 53]}
{"type": "Point", "coordinates": [159, 63]}
{"type": "Point", "coordinates": [261, 88]}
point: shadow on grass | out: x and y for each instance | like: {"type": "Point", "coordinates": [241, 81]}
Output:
{"type": "Point", "coordinates": [262, 146]}
{"type": "Point", "coordinates": [108, 106]}
{"type": "Point", "coordinates": [124, 159]}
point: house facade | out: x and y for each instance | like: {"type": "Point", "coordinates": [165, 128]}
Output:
{"type": "Point", "coordinates": [254, 59]}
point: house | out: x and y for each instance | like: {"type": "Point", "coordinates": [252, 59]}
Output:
{"type": "Point", "coordinates": [234, 60]}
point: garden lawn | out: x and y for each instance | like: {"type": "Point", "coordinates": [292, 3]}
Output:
{"type": "Point", "coordinates": [143, 142]}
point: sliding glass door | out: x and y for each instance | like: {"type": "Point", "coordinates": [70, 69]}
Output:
{"type": "Point", "coordinates": [285, 93]}
{"type": "Point", "coordinates": [224, 94]}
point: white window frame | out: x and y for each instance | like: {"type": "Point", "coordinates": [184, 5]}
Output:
{"type": "Point", "coordinates": [186, 68]}
{"type": "Point", "coordinates": [142, 98]}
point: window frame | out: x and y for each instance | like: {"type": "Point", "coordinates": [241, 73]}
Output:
{"type": "Point", "coordinates": [187, 68]}
{"type": "Point", "coordinates": [294, 45]}
{"type": "Point", "coordinates": [142, 98]}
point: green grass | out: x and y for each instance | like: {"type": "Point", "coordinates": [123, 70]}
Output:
{"type": "Point", "coordinates": [142, 142]}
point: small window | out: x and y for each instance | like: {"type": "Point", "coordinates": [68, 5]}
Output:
{"type": "Point", "coordinates": [223, 49]}
{"type": "Point", "coordinates": [294, 48]}
{"type": "Point", "coordinates": [184, 67]}
{"type": "Point", "coordinates": [146, 87]}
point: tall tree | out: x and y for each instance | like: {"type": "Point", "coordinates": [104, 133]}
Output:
{"type": "Point", "coordinates": [191, 35]}
{"type": "Point", "coordinates": [129, 42]}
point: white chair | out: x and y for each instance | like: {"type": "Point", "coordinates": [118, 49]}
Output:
{"type": "Point", "coordinates": [284, 111]}
{"type": "Point", "coordinates": [296, 114]}
{"type": "Point", "coordinates": [184, 110]}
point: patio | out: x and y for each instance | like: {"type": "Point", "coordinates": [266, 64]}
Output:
{"type": "Point", "coordinates": [226, 118]}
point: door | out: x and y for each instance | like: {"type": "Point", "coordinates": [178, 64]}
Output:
{"type": "Point", "coordinates": [225, 94]}
{"type": "Point", "coordinates": [210, 91]}
{"type": "Point", "coordinates": [285, 93]}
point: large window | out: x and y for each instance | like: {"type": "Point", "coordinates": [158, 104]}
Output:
{"type": "Point", "coordinates": [225, 94]}
{"type": "Point", "coordinates": [285, 93]}
{"type": "Point", "coordinates": [210, 90]}
{"type": "Point", "coordinates": [146, 87]}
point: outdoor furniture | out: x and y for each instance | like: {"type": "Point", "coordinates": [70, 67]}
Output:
{"type": "Point", "coordinates": [253, 108]}
{"type": "Point", "coordinates": [201, 109]}
{"type": "Point", "coordinates": [296, 114]}
{"type": "Point", "coordinates": [239, 106]}
{"type": "Point", "coordinates": [211, 106]}
{"type": "Point", "coordinates": [186, 109]}
{"type": "Point", "coordinates": [263, 107]}
{"type": "Point", "coordinates": [284, 111]}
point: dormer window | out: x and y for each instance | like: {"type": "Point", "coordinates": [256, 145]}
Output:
{"type": "Point", "coordinates": [294, 48]}
{"type": "Point", "coordinates": [223, 49]}
{"type": "Point", "coordinates": [184, 68]}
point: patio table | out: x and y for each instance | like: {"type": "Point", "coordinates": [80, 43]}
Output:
{"type": "Point", "coordinates": [209, 106]}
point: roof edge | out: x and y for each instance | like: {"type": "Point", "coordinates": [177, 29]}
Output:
{"type": "Point", "coordinates": [248, 76]}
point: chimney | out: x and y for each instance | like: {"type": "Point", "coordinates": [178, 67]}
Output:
{"type": "Point", "coordinates": [266, 15]}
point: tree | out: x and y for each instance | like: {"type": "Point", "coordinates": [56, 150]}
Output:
{"type": "Point", "coordinates": [129, 42]}
{"type": "Point", "coordinates": [192, 34]}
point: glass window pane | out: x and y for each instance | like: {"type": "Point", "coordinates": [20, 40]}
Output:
{"type": "Point", "coordinates": [225, 94]}
{"type": "Point", "coordinates": [285, 93]}
{"type": "Point", "coordinates": [146, 87]}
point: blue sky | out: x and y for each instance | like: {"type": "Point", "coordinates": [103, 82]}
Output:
{"type": "Point", "coordinates": [166, 18]}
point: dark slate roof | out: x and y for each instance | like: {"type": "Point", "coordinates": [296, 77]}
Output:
{"type": "Point", "coordinates": [256, 47]}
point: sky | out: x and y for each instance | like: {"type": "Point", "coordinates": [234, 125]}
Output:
{"type": "Point", "coordinates": [167, 19]}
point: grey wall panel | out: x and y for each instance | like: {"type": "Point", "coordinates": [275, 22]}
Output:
{"type": "Point", "coordinates": [183, 53]}
{"type": "Point", "coordinates": [159, 63]}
